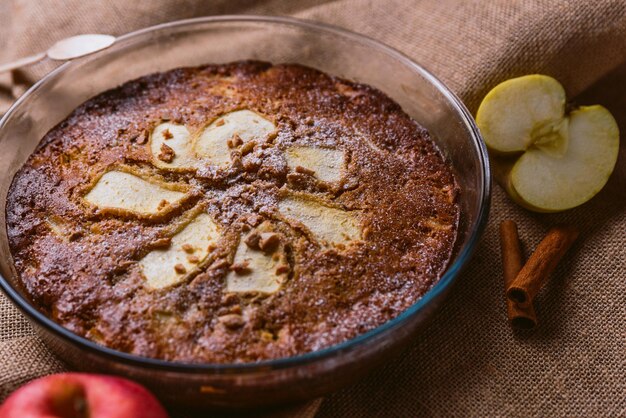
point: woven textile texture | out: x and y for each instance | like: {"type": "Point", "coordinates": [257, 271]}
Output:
{"type": "Point", "coordinates": [466, 361]}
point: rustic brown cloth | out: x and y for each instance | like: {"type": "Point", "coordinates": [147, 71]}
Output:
{"type": "Point", "coordinates": [467, 361]}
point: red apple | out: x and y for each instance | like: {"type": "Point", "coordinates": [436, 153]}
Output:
{"type": "Point", "coordinates": [80, 395]}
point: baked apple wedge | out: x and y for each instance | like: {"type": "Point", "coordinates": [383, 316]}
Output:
{"type": "Point", "coordinates": [547, 160]}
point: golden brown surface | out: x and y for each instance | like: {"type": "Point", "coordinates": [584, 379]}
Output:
{"type": "Point", "coordinates": [393, 204]}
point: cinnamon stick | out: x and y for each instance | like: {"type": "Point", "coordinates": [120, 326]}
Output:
{"type": "Point", "coordinates": [519, 316]}
{"type": "Point", "coordinates": [541, 263]}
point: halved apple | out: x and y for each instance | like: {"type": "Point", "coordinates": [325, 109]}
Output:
{"type": "Point", "coordinates": [546, 160]}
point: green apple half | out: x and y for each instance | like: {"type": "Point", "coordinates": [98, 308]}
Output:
{"type": "Point", "coordinates": [546, 160]}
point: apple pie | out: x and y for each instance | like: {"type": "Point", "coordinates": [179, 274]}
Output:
{"type": "Point", "coordinates": [232, 213]}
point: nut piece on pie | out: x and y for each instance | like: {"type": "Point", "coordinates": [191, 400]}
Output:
{"type": "Point", "coordinates": [325, 163]}
{"type": "Point", "coordinates": [118, 190]}
{"type": "Point", "coordinates": [190, 246]}
{"type": "Point", "coordinates": [170, 136]}
{"type": "Point", "coordinates": [257, 267]}
{"type": "Point", "coordinates": [327, 224]}
{"type": "Point", "coordinates": [212, 144]}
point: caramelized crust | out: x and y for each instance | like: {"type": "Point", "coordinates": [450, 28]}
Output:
{"type": "Point", "coordinates": [358, 238]}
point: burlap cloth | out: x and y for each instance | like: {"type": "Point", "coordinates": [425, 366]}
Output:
{"type": "Point", "coordinates": [467, 361]}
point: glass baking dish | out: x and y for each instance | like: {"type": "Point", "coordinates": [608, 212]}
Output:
{"type": "Point", "coordinates": [279, 40]}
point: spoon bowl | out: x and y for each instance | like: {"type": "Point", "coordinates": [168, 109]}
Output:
{"type": "Point", "coordinates": [79, 46]}
{"type": "Point", "coordinates": [64, 50]}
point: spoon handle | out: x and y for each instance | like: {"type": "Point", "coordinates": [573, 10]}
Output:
{"type": "Point", "coordinates": [22, 62]}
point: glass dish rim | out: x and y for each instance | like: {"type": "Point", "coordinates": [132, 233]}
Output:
{"type": "Point", "coordinates": [285, 362]}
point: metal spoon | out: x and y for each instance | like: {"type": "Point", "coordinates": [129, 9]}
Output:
{"type": "Point", "coordinates": [65, 49]}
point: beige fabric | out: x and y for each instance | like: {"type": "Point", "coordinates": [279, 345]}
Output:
{"type": "Point", "coordinates": [467, 361]}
